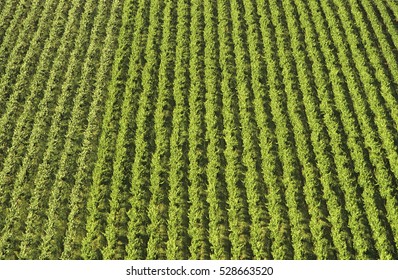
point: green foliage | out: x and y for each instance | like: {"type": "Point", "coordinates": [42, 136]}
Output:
{"type": "Point", "coordinates": [188, 129]}
{"type": "Point", "coordinates": [177, 231]}
{"type": "Point", "coordinates": [98, 205]}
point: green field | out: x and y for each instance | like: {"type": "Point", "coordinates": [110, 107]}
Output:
{"type": "Point", "coordinates": [198, 129]}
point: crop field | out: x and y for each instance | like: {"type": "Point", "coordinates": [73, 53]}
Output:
{"type": "Point", "coordinates": [198, 129]}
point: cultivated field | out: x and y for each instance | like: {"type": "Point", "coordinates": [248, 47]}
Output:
{"type": "Point", "coordinates": [198, 129]}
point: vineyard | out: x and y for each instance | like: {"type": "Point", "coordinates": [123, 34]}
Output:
{"type": "Point", "coordinates": [198, 129]}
